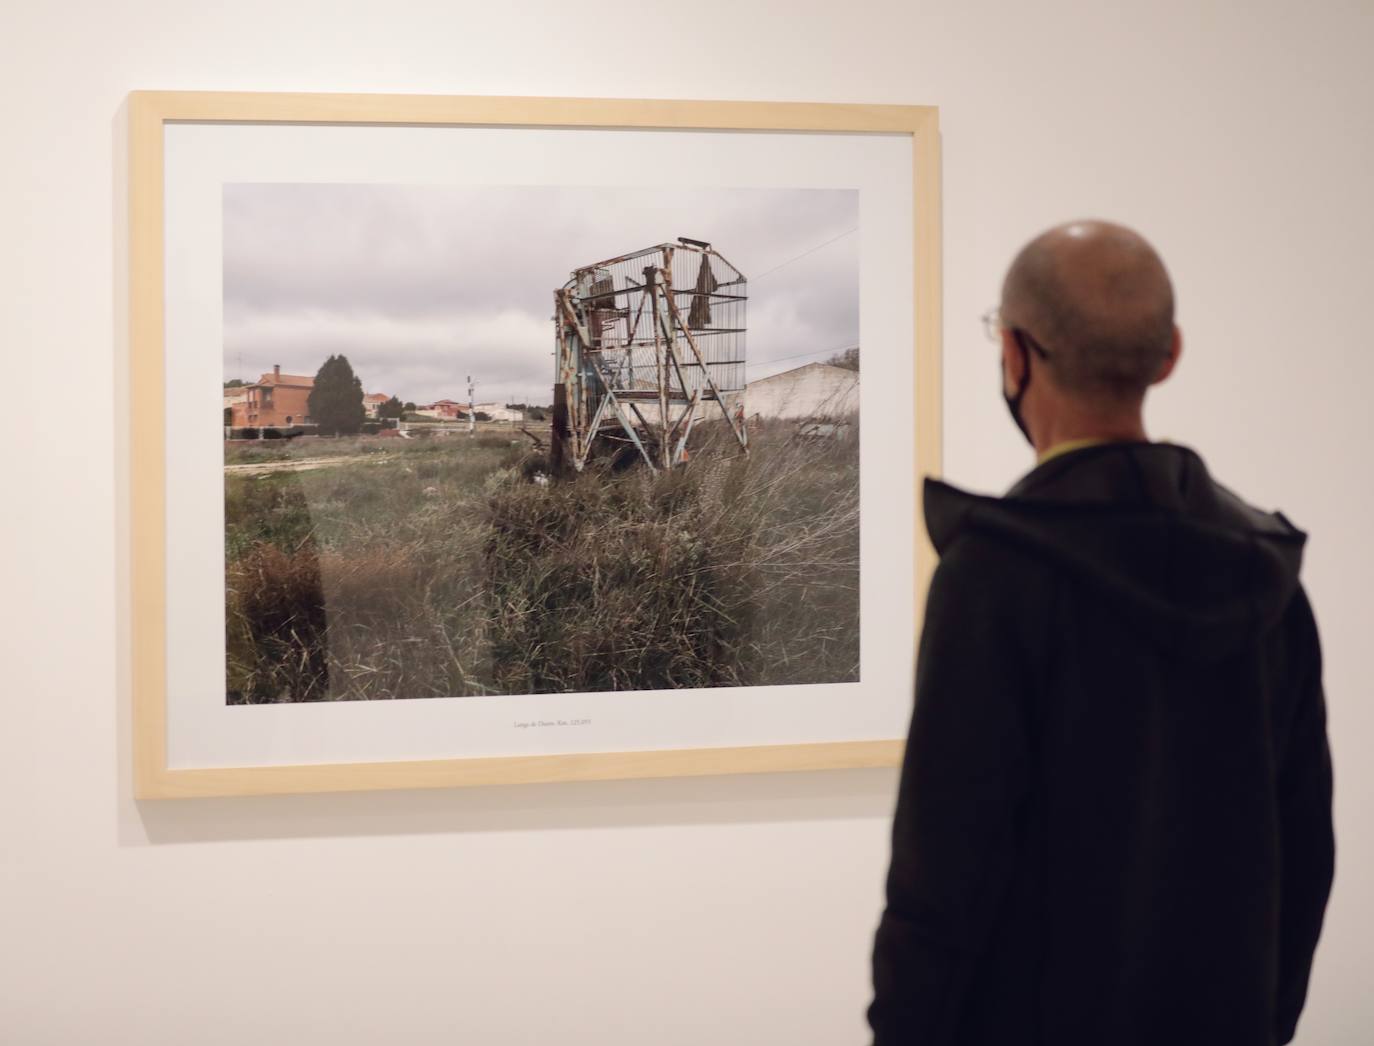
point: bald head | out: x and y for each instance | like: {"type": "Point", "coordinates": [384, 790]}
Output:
{"type": "Point", "coordinates": [1096, 296]}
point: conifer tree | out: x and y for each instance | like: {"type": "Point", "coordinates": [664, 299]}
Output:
{"type": "Point", "coordinates": [336, 401]}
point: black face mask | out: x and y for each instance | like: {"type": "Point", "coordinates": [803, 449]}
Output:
{"type": "Point", "coordinates": [1014, 402]}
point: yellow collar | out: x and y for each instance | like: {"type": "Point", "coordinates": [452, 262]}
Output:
{"type": "Point", "coordinates": [1067, 447]}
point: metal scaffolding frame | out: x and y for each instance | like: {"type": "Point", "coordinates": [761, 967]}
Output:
{"type": "Point", "coordinates": [640, 357]}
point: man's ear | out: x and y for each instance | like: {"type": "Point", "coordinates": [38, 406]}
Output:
{"type": "Point", "coordinates": [1013, 363]}
{"type": "Point", "coordinates": [1170, 361]}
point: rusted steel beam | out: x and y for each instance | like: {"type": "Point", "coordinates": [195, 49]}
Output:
{"type": "Point", "coordinates": [687, 413]}
{"type": "Point", "coordinates": [691, 341]}
{"type": "Point", "coordinates": [677, 369]}
{"type": "Point", "coordinates": [591, 429]}
{"type": "Point", "coordinates": [635, 410]}
{"type": "Point", "coordinates": [739, 276]}
{"type": "Point", "coordinates": [713, 295]}
{"type": "Point", "coordinates": [630, 430]}
{"type": "Point", "coordinates": [647, 396]}
{"type": "Point", "coordinates": [644, 252]}
{"type": "Point", "coordinates": [573, 320]}
{"type": "Point", "coordinates": [635, 288]}
{"type": "Point", "coordinates": [577, 386]}
{"type": "Point", "coordinates": [686, 433]}
{"type": "Point", "coordinates": [607, 350]}
{"type": "Point", "coordinates": [569, 447]}
{"type": "Point", "coordinates": [651, 276]}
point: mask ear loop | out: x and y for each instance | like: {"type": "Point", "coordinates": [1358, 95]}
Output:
{"type": "Point", "coordinates": [1014, 402]}
{"type": "Point", "coordinates": [1025, 364]}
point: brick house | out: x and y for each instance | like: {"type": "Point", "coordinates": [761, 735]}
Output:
{"type": "Point", "coordinates": [372, 403]}
{"type": "Point", "coordinates": [235, 396]}
{"type": "Point", "coordinates": [443, 409]}
{"type": "Point", "coordinates": [275, 400]}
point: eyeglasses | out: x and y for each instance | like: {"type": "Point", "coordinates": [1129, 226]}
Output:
{"type": "Point", "coordinates": [992, 324]}
{"type": "Point", "coordinates": [993, 328]}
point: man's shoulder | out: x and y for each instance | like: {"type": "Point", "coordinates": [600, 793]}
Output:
{"type": "Point", "coordinates": [983, 572]}
{"type": "Point", "coordinates": [1140, 527]}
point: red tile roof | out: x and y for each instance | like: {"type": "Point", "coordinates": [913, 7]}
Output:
{"type": "Point", "coordinates": [286, 379]}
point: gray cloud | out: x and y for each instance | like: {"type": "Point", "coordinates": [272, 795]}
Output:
{"type": "Point", "coordinates": [422, 285]}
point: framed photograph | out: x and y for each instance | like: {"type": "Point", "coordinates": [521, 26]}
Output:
{"type": "Point", "coordinates": [493, 440]}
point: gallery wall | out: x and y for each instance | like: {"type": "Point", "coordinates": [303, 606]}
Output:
{"type": "Point", "coordinates": [1239, 137]}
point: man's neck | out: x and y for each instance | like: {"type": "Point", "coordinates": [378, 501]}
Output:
{"type": "Point", "coordinates": [1086, 430]}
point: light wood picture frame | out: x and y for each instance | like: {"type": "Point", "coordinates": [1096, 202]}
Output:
{"type": "Point", "coordinates": [150, 114]}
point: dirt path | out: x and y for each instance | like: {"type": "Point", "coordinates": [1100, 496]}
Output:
{"type": "Point", "coordinates": [260, 468]}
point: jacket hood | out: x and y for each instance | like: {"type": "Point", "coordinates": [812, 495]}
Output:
{"type": "Point", "coordinates": [1144, 523]}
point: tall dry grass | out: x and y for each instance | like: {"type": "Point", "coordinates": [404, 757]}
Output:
{"type": "Point", "coordinates": [444, 571]}
{"type": "Point", "coordinates": [383, 560]}
{"type": "Point", "coordinates": [729, 572]}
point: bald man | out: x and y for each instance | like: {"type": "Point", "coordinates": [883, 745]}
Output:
{"type": "Point", "coordinates": [1113, 826]}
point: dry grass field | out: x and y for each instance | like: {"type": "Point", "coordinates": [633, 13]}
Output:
{"type": "Point", "coordinates": [438, 567]}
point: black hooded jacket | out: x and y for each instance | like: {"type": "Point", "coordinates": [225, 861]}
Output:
{"type": "Point", "coordinates": [1114, 820]}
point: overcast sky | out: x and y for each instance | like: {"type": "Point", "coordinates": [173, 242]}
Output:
{"type": "Point", "coordinates": [420, 286]}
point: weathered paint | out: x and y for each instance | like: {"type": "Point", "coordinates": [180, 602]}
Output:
{"type": "Point", "coordinates": [608, 358]}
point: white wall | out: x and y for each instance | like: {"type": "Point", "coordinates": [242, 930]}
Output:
{"type": "Point", "coordinates": [810, 391]}
{"type": "Point", "coordinates": [1240, 136]}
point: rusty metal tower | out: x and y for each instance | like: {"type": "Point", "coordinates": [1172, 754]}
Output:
{"type": "Point", "coordinates": [648, 344]}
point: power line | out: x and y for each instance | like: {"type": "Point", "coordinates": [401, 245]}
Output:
{"type": "Point", "coordinates": [803, 254]}
{"type": "Point", "coordinates": [800, 356]}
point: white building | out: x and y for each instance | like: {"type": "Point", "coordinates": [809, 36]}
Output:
{"type": "Point", "coordinates": [814, 391]}
{"type": "Point", "coordinates": [498, 412]}
{"type": "Point", "coordinates": [447, 410]}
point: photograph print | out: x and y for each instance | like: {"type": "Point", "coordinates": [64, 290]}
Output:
{"type": "Point", "coordinates": [538, 439]}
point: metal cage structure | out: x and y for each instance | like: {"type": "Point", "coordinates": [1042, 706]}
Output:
{"type": "Point", "coordinates": [647, 345]}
